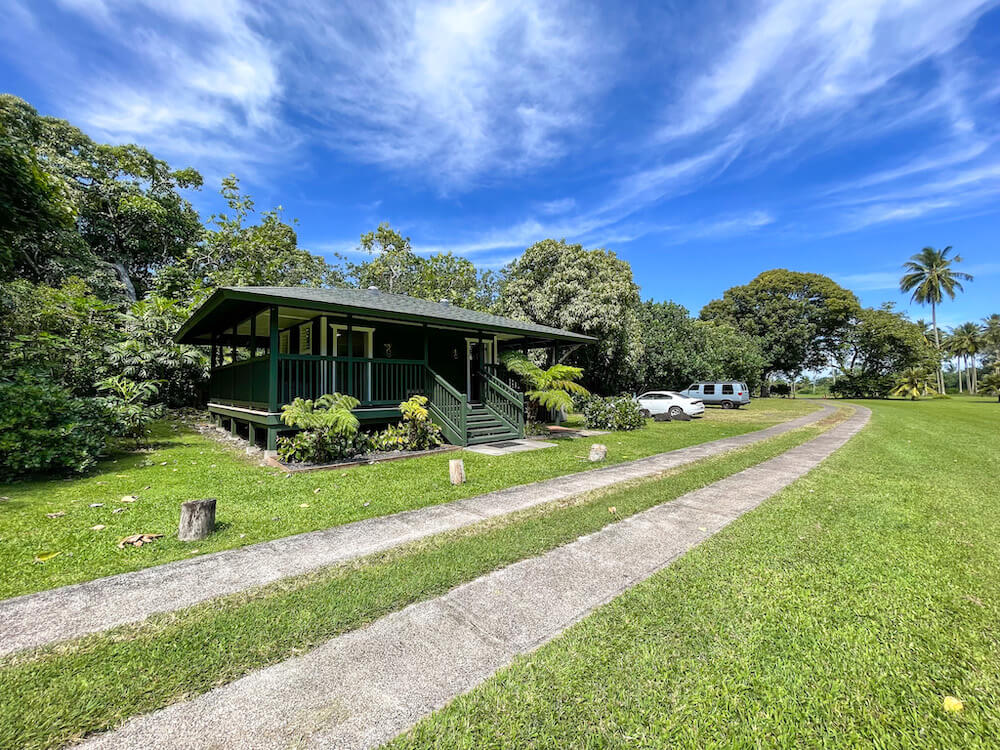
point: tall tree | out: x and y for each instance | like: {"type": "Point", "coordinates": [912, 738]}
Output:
{"type": "Point", "coordinates": [237, 252]}
{"type": "Point", "coordinates": [587, 291]}
{"type": "Point", "coordinates": [991, 340]}
{"type": "Point", "coordinates": [967, 340]}
{"type": "Point", "coordinates": [929, 276]}
{"type": "Point", "coordinates": [130, 215]}
{"type": "Point", "coordinates": [797, 319]}
{"type": "Point", "coordinates": [393, 266]}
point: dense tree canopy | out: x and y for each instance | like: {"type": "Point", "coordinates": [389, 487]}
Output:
{"type": "Point", "coordinates": [798, 319]}
{"type": "Point", "coordinates": [679, 350]}
{"type": "Point", "coordinates": [877, 345]}
{"type": "Point", "coordinates": [587, 291]}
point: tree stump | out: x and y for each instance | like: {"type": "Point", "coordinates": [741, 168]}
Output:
{"type": "Point", "coordinates": [197, 519]}
{"type": "Point", "coordinates": [456, 470]}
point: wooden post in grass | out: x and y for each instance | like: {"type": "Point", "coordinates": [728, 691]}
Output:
{"type": "Point", "coordinates": [197, 519]}
{"type": "Point", "coordinates": [456, 471]}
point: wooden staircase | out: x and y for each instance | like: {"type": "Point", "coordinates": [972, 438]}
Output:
{"type": "Point", "coordinates": [483, 426]}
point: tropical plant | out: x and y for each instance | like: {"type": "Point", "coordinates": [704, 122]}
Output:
{"type": "Point", "coordinates": [46, 429]}
{"type": "Point", "coordinates": [331, 411]}
{"type": "Point", "coordinates": [551, 389]}
{"type": "Point", "coordinates": [990, 384]}
{"type": "Point", "coordinates": [619, 413]}
{"type": "Point", "coordinates": [991, 339]}
{"type": "Point", "coordinates": [914, 382]}
{"type": "Point", "coordinates": [330, 430]}
{"type": "Point", "coordinates": [419, 430]}
{"type": "Point", "coordinates": [929, 276]}
{"type": "Point", "coordinates": [128, 403]}
{"type": "Point", "coordinates": [965, 343]}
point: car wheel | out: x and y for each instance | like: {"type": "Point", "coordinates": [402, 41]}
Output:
{"type": "Point", "coordinates": [645, 413]}
{"type": "Point", "coordinates": [675, 411]}
{"type": "Point", "coordinates": [727, 405]}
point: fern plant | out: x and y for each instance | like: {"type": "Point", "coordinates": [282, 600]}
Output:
{"type": "Point", "coordinates": [331, 411]}
{"type": "Point", "coordinates": [551, 389]}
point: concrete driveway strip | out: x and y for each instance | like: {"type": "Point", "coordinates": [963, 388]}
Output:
{"type": "Point", "coordinates": [363, 688]}
{"type": "Point", "coordinates": [27, 621]}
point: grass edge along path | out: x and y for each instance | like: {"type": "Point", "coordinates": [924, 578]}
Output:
{"type": "Point", "coordinates": [839, 614]}
{"type": "Point", "coordinates": [60, 693]}
{"type": "Point", "coordinates": [257, 504]}
{"type": "Point", "coordinates": [94, 606]}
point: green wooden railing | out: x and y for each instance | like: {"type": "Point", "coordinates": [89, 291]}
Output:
{"type": "Point", "coordinates": [373, 382]}
{"type": "Point", "coordinates": [504, 401]}
{"type": "Point", "coordinates": [242, 384]}
{"type": "Point", "coordinates": [447, 406]}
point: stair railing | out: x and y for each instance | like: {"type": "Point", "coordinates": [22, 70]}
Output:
{"type": "Point", "coordinates": [504, 401]}
{"type": "Point", "coordinates": [447, 407]}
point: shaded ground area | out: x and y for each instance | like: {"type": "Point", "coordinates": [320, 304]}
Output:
{"type": "Point", "coordinates": [257, 504]}
{"type": "Point", "coordinates": [105, 603]}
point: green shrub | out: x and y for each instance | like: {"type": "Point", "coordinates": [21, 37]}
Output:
{"type": "Point", "coordinates": [43, 428]}
{"type": "Point", "coordinates": [619, 413]}
{"type": "Point", "coordinates": [421, 432]}
{"type": "Point", "coordinates": [323, 445]}
{"type": "Point", "coordinates": [127, 404]}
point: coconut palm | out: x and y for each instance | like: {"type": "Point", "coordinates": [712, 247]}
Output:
{"type": "Point", "coordinates": [991, 384]}
{"type": "Point", "coordinates": [929, 277]}
{"type": "Point", "coordinates": [966, 341]}
{"type": "Point", "coordinates": [550, 389]}
{"type": "Point", "coordinates": [914, 382]}
{"type": "Point", "coordinates": [951, 347]}
{"type": "Point", "coordinates": [991, 339]}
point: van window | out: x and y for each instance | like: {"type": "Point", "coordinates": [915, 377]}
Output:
{"type": "Point", "coordinates": [710, 390]}
{"type": "Point", "coordinates": [693, 387]}
{"type": "Point", "coordinates": [727, 389]}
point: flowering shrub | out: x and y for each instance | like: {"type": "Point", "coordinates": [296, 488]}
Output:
{"type": "Point", "coordinates": [617, 413]}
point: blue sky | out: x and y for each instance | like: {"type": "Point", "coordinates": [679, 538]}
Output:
{"type": "Point", "coordinates": [704, 142]}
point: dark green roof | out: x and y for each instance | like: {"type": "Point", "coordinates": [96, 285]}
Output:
{"type": "Point", "coordinates": [229, 304]}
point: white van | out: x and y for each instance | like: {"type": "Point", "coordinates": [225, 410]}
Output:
{"type": "Point", "coordinates": [728, 394]}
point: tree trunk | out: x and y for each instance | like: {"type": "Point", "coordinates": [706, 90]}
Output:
{"type": "Point", "coordinates": [937, 346]}
{"type": "Point", "coordinates": [197, 520]}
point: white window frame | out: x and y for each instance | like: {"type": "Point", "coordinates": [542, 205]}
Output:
{"type": "Point", "coordinates": [305, 336]}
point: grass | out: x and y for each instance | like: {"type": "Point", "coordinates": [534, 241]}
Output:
{"type": "Point", "coordinates": [838, 614]}
{"type": "Point", "coordinates": [257, 504]}
{"type": "Point", "coordinates": [57, 694]}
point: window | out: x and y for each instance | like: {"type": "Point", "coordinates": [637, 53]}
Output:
{"type": "Point", "coordinates": [693, 387]}
{"type": "Point", "coordinates": [283, 340]}
{"type": "Point", "coordinates": [710, 390]}
{"type": "Point", "coordinates": [727, 389]}
{"type": "Point", "coordinates": [306, 339]}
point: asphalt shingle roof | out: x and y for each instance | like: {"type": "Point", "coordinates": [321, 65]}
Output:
{"type": "Point", "coordinates": [361, 300]}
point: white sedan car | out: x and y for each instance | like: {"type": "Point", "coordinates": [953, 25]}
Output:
{"type": "Point", "coordinates": [669, 402]}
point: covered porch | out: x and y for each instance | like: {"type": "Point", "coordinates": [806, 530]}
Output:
{"type": "Point", "coordinates": [270, 346]}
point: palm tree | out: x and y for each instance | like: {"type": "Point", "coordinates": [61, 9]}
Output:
{"type": "Point", "coordinates": [991, 384]}
{"type": "Point", "coordinates": [929, 276]}
{"type": "Point", "coordinates": [966, 340]}
{"type": "Point", "coordinates": [951, 347]}
{"type": "Point", "coordinates": [991, 339]}
{"type": "Point", "coordinates": [914, 382]}
{"type": "Point", "coordinates": [549, 389]}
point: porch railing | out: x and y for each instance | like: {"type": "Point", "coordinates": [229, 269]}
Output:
{"type": "Point", "coordinates": [373, 382]}
{"type": "Point", "coordinates": [241, 384]}
{"type": "Point", "coordinates": [504, 401]}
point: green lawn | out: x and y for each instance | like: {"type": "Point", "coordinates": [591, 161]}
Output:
{"type": "Point", "coordinates": [54, 695]}
{"type": "Point", "coordinates": [838, 614]}
{"type": "Point", "coordinates": [257, 504]}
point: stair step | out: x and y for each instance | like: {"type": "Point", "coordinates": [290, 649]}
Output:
{"type": "Point", "coordinates": [488, 429]}
{"type": "Point", "coordinates": [478, 440]}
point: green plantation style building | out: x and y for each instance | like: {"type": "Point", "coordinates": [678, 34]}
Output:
{"type": "Point", "coordinates": [271, 345]}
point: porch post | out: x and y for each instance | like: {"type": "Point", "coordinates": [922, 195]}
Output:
{"type": "Point", "coordinates": [232, 340]}
{"type": "Point", "coordinates": [272, 378]}
{"type": "Point", "coordinates": [350, 355]}
{"type": "Point", "coordinates": [214, 353]}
